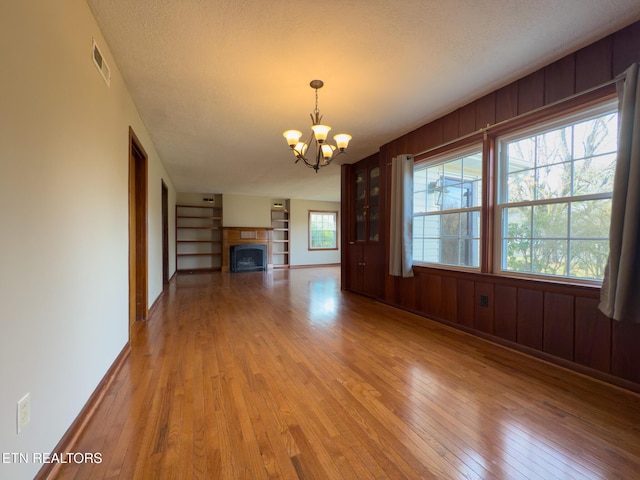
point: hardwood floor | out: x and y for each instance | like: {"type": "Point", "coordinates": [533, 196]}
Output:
{"type": "Point", "coordinates": [280, 375]}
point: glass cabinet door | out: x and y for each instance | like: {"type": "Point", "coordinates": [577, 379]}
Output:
{"type": "Point", "coordinates": [373, 210]}
{"type": "Point", "coordinates": [374, 185]}
{"type": "Point", "coordinates": [360, 207]}
{"type": "Point", "coordinates": [366, 226]}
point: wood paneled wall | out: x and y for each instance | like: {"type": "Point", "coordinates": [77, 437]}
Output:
{"type": "Point", "coordinates": [589, 67]}
{"type": "Point", "coordinates": [560, 323]}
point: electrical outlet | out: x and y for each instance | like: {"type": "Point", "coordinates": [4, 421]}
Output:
{"type": "Point", "coordinates": [24, 412]}
{"type": "Point", "coordinates": [484, 300]}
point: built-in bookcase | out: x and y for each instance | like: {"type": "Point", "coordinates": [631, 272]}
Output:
{"type": "Point", "coordinates": [280, 222]}
{"type": "Point", "coordinates": [198, 237]}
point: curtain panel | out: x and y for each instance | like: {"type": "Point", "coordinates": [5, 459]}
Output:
{"type": "Point", "coordinates": [620, 293]}
{"type": "Point", "coordinates": [401, 218]}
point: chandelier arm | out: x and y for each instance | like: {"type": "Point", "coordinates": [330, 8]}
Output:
{"type": "Point", "coordinates": [300, 154]}
{"type": "Point", "coordinates": [308, 164]}
{"type": "Point", "coordinates": [311, 138]}
{"type": "Point", "coordinates": [315, 165]}
{"type": "Point", "coordinates": [334, 156]}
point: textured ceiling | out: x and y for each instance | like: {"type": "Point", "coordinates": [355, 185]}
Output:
{"type": "Point", "coordinates": [217, 82]}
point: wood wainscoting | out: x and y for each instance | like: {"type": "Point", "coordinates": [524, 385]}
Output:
{"type": "Point", "coordinates": [560, 323]}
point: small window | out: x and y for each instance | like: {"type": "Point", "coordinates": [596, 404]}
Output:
{"type": "Point", "coordinates": [447, 197]}
{"type": "Point", "coordinates": [554, 196]}
{"type": "Point", "coordinates": [323, 234]}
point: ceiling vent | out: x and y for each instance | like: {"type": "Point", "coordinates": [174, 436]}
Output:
{"type": "Point", "coordinates": [101, 64]}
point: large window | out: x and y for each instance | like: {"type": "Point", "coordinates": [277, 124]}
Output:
{"type": "Point", "coordinates": [446, 209]}
{"type": "Point", "coordinates": [323, 230]}
{"type": "Point", "coordinates": [554, 197]}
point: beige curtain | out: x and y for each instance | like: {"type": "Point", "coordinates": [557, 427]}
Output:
{"type": "Point", "coordinates": [620, 294]}
{"type": "Point", "coordinates": [400, 234]}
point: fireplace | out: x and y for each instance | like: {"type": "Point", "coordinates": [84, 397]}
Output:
{"type": "Point", "coordinates": [259, 237]}
{"type": "Point", "coordinates": [249, 257]}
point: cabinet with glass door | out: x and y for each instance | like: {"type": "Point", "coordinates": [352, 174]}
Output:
{"type": "Point", "coordinates": [364, 254]}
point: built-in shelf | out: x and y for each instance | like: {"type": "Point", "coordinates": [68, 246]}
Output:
{"type": "Point", "coordinates": [198, 238]}
{"type": "Point", "coordinates": [280, 223]}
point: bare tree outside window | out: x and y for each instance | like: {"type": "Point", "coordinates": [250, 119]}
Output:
{"type": "Point", "coordinates": [556, 190]}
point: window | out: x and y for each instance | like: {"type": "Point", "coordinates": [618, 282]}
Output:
{"type": "Point", "coordinates": [447, 196]}
{"type": "Point", "coordinates": [554, 196]}
{"type": "Point", "coordinates": [322, 230]}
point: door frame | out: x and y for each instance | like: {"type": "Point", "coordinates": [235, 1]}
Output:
{"type": "Point", "coordinates": [165, 234]}
{"type": "Point", "coordinates": [138, 237]}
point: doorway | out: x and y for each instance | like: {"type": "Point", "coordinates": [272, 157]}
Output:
{"type": "Point", "coordinates": [165, 235]}
{"type": "Point", "coordinates": [137, 230]}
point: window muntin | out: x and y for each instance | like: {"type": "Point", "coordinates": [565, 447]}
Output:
{"type": "Point", "coordinates": [554, 197]}
{"type": "Point", "coordinates": [323, 230]}
{"type": "Point", "coordinates": [447, 197]}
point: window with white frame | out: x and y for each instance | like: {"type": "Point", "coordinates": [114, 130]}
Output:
{"type": "Point", "coordinates": [554, 196]}
{"type": "Point", "coordinates": [447, 197]}
{"type": "Point", "coordinates": [323, 230]}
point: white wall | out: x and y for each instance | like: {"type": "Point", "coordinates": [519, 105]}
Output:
{"type": "Point", "coordinates": [196, 199]}
{"type": "Point", "coordinates": [246, 211]}
{"type": "Point", "coordinates": [63, 219]}
{"type": "Point", "coordinates": [299, 224]}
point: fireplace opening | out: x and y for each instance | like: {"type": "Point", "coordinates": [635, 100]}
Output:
{"type": "Point", "coordinates": [247, 258]}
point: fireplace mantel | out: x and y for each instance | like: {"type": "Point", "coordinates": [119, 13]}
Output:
{"type": "Point", "coordinates": [244, 235]}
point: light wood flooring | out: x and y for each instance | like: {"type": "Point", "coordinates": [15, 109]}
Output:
{"type": "Point", "coordinates": [280, 375]}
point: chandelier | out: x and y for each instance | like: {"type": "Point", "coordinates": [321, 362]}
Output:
{"type": "Point", "coordinates": [322, 153]}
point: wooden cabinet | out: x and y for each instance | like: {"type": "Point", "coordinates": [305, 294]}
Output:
{"type": "Point", "coordinates": [198, 238]}
{"type": "Point", "coordinates": [365, 270]}
{"type": "Point", "coordinates": [366, 211]}
{"type": "Point", "coordinates": [362, 212]}
{"type": "Point", "coordinates": [280, 239]}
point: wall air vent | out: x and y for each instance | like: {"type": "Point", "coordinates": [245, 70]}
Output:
{"type": "Point", "coordinates": [101, 64]}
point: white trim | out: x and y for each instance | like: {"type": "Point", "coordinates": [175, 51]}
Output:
{"type": "Point", "coordinates": [605, 108]}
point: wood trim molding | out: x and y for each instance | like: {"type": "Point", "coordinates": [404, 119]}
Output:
{"type": "Point", "coordinates": [555, 285]}
{"type": "Point", "coordinates": [317, 249]}
{"type": "Point", "coordinates": [70, 438]}
{"type": "Point", "coordinates": [316, 265]}
{"type": "Point", "coordinates": [155, 303]}
{"type": "Point", "coordinates": [138, 230]}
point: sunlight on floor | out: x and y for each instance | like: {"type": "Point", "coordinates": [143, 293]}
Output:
{"type": "Point", "coordinates": [323, 300]}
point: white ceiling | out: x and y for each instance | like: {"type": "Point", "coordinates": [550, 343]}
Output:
{"type": "Point", "coordinates": [218, 81]}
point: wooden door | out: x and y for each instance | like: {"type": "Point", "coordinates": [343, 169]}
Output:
{"type": "Point", "coordinates": [165, 235]}
{"type": "Point", "coordinates": [137, 230]}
